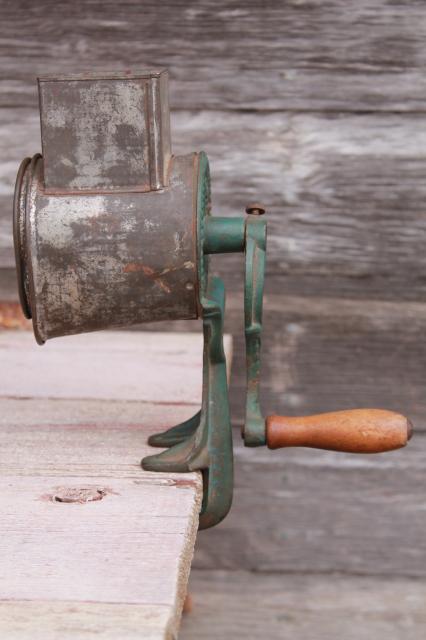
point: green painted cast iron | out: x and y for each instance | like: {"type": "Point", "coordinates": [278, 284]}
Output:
{"type": "Point", "coordinates": [112, 230]}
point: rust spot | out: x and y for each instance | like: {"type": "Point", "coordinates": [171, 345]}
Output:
{"type": "Point", "coordinates": [182, 483]}
{"type": "Point", "coordinates": [187, 604]}
{"type": "Point", "coordinates": [11, 316]}
{"type": "Point", "coordinates": [163, 285]}
{"type": "Point", "coordinates": [134, 267]}
{"type": "Point", "coordinates": [78, 495]}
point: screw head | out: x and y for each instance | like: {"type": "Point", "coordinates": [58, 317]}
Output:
{"type": "Point", "coordinates": [255, 209]}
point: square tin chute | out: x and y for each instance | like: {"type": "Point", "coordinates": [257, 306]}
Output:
{"type": "Point", "coordinates": [105, 132]}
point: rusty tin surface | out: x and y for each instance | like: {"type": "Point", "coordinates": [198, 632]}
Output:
{"type": "Point", "coordinates": [101, 260]}
{"type": "Point", "coordinates": [105, 131]}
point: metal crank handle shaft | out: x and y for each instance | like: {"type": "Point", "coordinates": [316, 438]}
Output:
{"type": "Point", "coordinates": [353, 431]}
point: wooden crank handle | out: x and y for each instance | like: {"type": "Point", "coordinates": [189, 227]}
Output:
{"type": "Point", "coordinates": [354, 431]}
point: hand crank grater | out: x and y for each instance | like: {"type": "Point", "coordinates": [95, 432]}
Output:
{"type": "Point", "coordinates": [112, 230]}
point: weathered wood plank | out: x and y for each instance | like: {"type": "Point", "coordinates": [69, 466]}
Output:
{"type": "Point", "coordinates": [318, 354]}
{"type": "Point", "coordinates": [385, 340]}
{"type": "Point", "coordinates": [41, 620]}
{"type": "Point", "coordinates": [104, 365]}
{"type": "Point", "coordinates": [328, 353]}
{"type": "Point", "coordinates": [273, 55]}
{"type": "Point", "coordinates": [133, 546]}
{"type": "Point", "coordinates": [51, 411]}
{"type": "Point", "coordinates": [293, 510]}
{"type": "Point", "coordinates": [247, 606]}
{"type": "Point", "coordinates": [321, 354]}
{"type": "Point", "coordinates": [8, 284]}
{"type": "Point", "coordinates": [307, 511]}
{"type": "Point", "coordinates": [343, 194]}
{"type": "Point", "coordinates": [128, 547]}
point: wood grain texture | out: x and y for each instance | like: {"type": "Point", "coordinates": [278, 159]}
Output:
{"type": "Point", "coordinates": [133, 547]}
{"type": "Point", "coordinates": [272, 55]}
{"type": "Point", "coordinates": [344, 194]}
{"type": "Point", "coordinates": [104, 365]}
{"type": "Point", "coordinates": [8, 285]}
{"type": "Point", "coordinates": [128, 547]}
{"type": "Point", "coordinates": [117, 566]}
{"type": "Point", "coordinates": [247, 606]}
{"type": "Point", "coordinates": [294, 511]}
{"type": "Point", "coordinates": [303, 511]}
{"type": "Point", "coordinates": [350, 431]}
{"type": "Point", "coordinates": [43, 620]}
{"type": "Point", "coordinates": [327, 354]}
{"type": "Point", "coordinates": [317, 109]}
{"type": "Point", "coordinates": [321, 354]}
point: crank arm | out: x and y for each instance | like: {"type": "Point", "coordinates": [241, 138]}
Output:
{"type": "Point", "coordinates": [354, 431]}
{"type": "Point", "coordinates": [255, 256]}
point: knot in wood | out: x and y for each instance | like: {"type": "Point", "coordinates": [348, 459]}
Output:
{"type": "Point", "coordinates": [80, 495]}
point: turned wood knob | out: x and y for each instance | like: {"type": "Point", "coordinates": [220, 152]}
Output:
{"type": "Point", "coordinates": [354, 431]}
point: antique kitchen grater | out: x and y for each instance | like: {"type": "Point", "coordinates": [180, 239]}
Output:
{"type": "Point", "coordinates": [112, 230]}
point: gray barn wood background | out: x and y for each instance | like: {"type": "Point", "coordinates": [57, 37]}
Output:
{"type": "Point", "coordinates": [318, 109]}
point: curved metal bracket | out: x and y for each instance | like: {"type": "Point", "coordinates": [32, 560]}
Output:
{"type": "Point", "coordinates": [255, 251]}
{"type": "Point", "coordinates": [207, 447]}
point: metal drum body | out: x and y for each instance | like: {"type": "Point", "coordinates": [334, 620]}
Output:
{"type": "Point", "coordinates": [99, 260]}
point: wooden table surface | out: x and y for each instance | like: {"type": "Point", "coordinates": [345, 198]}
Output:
{"type": "Point", "coordinates": [75, 416]}
{"type": "Point", "coordinates": [316, 109]}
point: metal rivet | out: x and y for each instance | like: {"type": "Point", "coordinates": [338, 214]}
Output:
{"type": "Point", "coordinates": [255, 209]}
